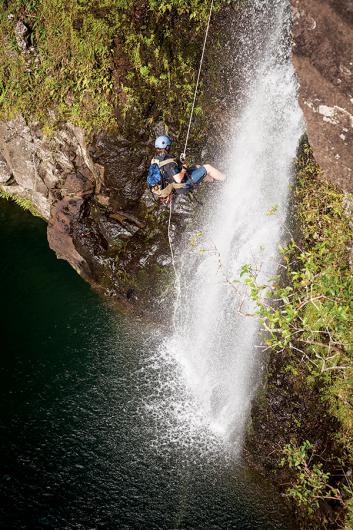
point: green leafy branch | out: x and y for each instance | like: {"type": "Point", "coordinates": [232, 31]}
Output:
{"type": "Point", "coordinates": [312, 483]}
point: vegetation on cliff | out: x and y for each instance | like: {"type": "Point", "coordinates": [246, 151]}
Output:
{"type": "Point", "coordinates": [97, 63]}
{"type": "Point", "coordinates": [307, 318]}
{"type": "Point", "coordinates": [23, 203]}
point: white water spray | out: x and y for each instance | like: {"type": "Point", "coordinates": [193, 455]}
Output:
{"type": "Point", "coordinates": [213, 346]}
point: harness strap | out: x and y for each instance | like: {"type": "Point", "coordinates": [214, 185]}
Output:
{"type": "Point", "coordinates": [165, 192]}
{"type": "Point", "coordinates": [163, 162]}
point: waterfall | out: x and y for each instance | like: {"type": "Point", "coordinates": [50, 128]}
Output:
{"type": "Point", "coordinates": [212, 354]}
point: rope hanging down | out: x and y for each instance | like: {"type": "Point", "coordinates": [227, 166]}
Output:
{"type": "Point", "coordinates": [184, 156]}
{"type": "Point", "coordinates": [177, 276]}
{"type": "Point", "coordinates": [198, 79]}
{"type": "Point", "coordinates": [170, 237]}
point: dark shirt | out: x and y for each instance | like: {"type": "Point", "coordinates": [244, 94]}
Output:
{"type": "Point", "coordinates": [169, 170]}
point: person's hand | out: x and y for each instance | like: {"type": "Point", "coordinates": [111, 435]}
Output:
{"type": "Point", "coordinates": [179, 177]}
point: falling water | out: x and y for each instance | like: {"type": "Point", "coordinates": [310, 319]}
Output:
{"type": "Point", "coordinates": [212, 354]}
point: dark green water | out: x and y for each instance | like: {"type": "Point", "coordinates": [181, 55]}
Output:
{"type": "Point", "coordinates": [78, 447]}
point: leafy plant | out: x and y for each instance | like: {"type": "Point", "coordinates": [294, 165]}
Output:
{"type": "Point", "coordinates": [312, 483]}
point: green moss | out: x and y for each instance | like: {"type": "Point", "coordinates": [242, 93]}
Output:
{"type": "Point", "coordinates": [23, 203]}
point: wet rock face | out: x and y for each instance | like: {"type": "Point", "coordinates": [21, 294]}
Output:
{"type": "Point", "coordinates": [100, 218]}
{"type": "Point", "coordinates": [125, 169]}
{"type": "Point", "coordinates": [323, 58]}
{"type": "Point", "coordinates": [56, 175]}
{"type": "Point", "coordinates": [65, 216]}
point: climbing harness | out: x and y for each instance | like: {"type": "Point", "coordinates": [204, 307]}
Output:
{"type": "Point", "coordinates": [183, 155]}
{"type": "Point", "coordinates": [163, 193]}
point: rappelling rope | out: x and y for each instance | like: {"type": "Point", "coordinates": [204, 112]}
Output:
{"type": "Point", "coordinates": [170, 237]}
{"type": "Point", "coordinates": [198, 78]}
{"type": "Point", "coordinates": [177, 277]}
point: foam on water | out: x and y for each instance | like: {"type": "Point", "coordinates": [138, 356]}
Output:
{"type": "Point", "coordinates": [210, 362]}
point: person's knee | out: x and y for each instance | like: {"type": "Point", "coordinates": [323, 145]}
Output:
{"type": "Point", "coordinates": [214, 173]}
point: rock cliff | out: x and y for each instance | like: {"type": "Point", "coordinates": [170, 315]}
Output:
{"type": "Point", "coordinates": [94, 206]}
{"type": "Point", "coordinates": [323, 59]}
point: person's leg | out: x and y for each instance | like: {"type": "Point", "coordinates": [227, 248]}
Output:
{"type": "Point", "coordinates": [213, 173]}
{"type": "Point", "coordinates": [197, 174]}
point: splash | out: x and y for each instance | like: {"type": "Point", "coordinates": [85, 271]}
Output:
{"type": "Point", "coordinates": [212, 353]}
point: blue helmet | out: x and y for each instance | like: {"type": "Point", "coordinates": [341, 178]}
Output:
{"type": "Point", "coordinates": [162, 142]}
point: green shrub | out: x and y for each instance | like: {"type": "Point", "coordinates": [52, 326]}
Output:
{"type": "Point", "coordinates": [96, 64]}
{"type": "Point", "coordinates": [312, 483]}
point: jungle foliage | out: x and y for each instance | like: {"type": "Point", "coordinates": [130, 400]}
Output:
{"type": "Point", "coordinates": [97, 63]}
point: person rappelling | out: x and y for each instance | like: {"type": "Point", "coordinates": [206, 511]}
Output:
{"type": "Point", "coordinates": [168, 174]}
